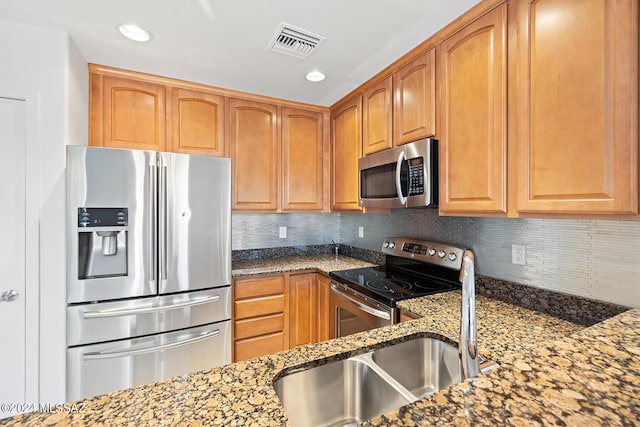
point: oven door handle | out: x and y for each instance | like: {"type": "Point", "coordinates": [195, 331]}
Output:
{"type": "Point", "coordinates": [372, 311]}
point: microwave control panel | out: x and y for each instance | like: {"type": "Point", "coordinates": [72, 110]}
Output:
{"type": "Point", "coordinates": [416, 176]}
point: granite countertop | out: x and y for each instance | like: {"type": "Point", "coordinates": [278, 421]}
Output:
{"type": "Point", "coordinates": [552, 372]}
{"type": "Point", "coordinates": [324, 262]}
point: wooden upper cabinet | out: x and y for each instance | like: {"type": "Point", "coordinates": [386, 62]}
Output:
{"type": "Point", "coordinates": [377, 113]}
{"type": "Point", "coordinates": [197, 123]}
{"type": "Point", "coordinates": [346, 146]}
{"type": "Point", "coordinates": [254, 146]}
{"type": "Point", "coordinates": [414, 100]}
{"type": "Point", "coordinates": [576, 106]}
{"type": "Point", "coordinates": [302, 159]}
{"type": "Point", "coordinates": [126, 113]}
{"type": "Point", "coordinates": [472, 110]}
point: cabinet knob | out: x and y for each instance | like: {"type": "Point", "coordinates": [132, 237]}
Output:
{"type": "Point", "coordinates": [10, 295]}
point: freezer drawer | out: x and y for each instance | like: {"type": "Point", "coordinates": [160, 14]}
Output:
{"type": "Point", "coordinates": [103, 368]}
{"type": "Point", "coordinates": [92, 323]}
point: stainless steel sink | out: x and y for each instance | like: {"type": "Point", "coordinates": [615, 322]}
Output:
{"type": "Point", "coordinates": [341, 393]}
{"type": "Point", "coordinates": [422, 365]}
{"type": "Point", "coordinates": [357, 389]}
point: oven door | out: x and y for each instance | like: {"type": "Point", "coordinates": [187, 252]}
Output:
{"type": "Point", "coordinates": [352, 312]}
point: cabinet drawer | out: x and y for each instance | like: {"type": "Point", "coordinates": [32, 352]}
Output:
{"type": "Point", "coordinates": [259, 346]}
{"type": "Point", "coordinates": [259, 326]}
{"type": "Point", "coordinates": [259, 306]}
{"type": "Point", "coordinates": [250, 288]}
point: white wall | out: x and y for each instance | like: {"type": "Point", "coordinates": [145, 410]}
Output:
{"type": "Point", "coordinates": [44, 68]}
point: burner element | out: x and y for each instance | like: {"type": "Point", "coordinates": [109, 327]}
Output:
{"type": "Point", "coordinates": [391, 286]}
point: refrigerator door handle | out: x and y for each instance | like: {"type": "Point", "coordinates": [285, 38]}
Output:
{"type": "Point", "coordinates": [162, 218]}
{"type": "Point", "coordinates": [126, 353]}
{"type": "Point", "coordinates": [98, 314]}
{"type": "Point", "coordinates": [151, 243]}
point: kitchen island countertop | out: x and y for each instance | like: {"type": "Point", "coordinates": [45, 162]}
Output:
{"type": "Point", "coordinates": [552, 372]}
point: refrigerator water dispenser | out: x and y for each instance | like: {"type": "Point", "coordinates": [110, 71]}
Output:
{"type": "Point", "coordinates": [102, 242]}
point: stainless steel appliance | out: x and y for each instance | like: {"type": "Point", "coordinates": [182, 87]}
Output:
{"type": "Point", "coordinates": [401, 177]}
{"type": "Point", "coordinates": [149, 267]}
{"type": "Point", "coordinates": [365, 298]}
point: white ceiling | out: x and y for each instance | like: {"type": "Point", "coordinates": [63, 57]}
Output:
{"type": "Point", "coordinates": [224, 42]}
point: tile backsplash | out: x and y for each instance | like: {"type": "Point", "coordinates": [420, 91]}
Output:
{"type": "Point", "coordinates": [589, 258]}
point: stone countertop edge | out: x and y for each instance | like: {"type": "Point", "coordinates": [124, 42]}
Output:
{"type": "Point", "coordinates": [552, 372]}
{"type": "Point", "coordinates": [324, 263]}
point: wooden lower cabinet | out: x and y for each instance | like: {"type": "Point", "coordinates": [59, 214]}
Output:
{"type": "Point", "coordinates": [303, 309]}
{"type": "Point", "coordinates": [273, 313]}
{"type": "Point", "coordinates": [323, 308]}
{"type": "Point", "coordinates": [308, 308]}
{"type": "Point", "coordinates": [405, 316]}
{"type": "Point", "coordinates": [260, 316]}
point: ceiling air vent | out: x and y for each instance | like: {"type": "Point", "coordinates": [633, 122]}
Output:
{"type": "Point", "coordinates": [295, 41]}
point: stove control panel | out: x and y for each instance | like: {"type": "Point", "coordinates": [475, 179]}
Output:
{"type": "Point", "coordinates": [430, 252]}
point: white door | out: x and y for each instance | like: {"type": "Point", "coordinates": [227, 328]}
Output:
{"type": "Point", "coordinates": [12, 256]}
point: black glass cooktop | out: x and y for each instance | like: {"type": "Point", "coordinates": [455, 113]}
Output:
{"type": "Point", "coordinates": [389, 285]}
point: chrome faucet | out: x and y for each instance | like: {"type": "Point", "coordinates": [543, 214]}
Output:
{"type": "Point", "coordinates": [468, 345]}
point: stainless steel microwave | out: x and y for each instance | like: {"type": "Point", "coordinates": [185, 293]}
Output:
{"type": "Point", "coordinates": [401, 177]}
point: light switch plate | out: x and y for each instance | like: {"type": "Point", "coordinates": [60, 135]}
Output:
{"type": "Point", "coordinates": [361, 232]}
{"type": "Point", "coordinates": [282, 232]}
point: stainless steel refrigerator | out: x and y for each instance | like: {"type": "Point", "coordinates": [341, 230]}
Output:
{"type": "Point", "coordinates": [148, 267]}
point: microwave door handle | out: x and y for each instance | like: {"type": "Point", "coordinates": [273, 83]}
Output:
{"type": "Point", "coordinates": [402, 157]}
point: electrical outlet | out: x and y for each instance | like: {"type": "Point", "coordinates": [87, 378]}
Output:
{"type": "Point", "coordinates": [282, 232]}
{"type": "Point", "coordinates": [518, 255]}
{"type": "Point", "coordinates": [361, 232]}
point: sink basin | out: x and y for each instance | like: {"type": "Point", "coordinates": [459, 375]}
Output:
{"type": "Point", "coordinates": [356, 389]}
{"type": "Point", "coordinates": [341, 393]}
{"type": "Point", "coordinates": [422, 365]}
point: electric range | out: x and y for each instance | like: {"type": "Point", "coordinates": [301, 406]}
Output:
{"type": "Point", "coordinates": [366, 298]}
{"type": "Point", "coordinates": [413, 268]}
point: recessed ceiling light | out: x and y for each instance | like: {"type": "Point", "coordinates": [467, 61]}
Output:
{"type": "Point", "coordinates": [315, 76]}
{"type": "Point", "coordinates": [133, 32]}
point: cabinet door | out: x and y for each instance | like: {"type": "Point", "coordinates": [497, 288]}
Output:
{"type": "Point", "coordinates": [254, 144]}
{"type": "Point", "coordinates": [414, 102]}
{"type": "Point", "coordinates": [323, 308]}
{"type": "Point", "coordinates": [127, 113]}
{"type": "Point", "coordinates": [577, 106]}
{"type": "Point", "coordinates": [346, 146]}
{"type": "Point", "coordinates": [377, 117]}
{"type": "Point", "coordinates": [302, 143]}
{"type": "Point", "coordinates": [197, 123]}
{"type": "Point", "coordinates": [303, 309]}
{"type": "Point", "coordinates": [472, 107]}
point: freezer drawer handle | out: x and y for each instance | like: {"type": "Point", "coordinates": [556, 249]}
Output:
{"type": "Point", "coordinates": [133, 311]}
{"type": "Point", "coordinates": [126, 353]}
